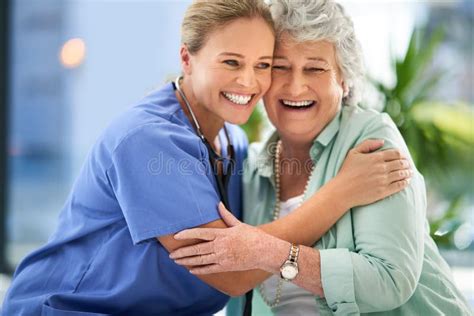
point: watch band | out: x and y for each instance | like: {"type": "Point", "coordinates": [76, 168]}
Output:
{"type": "Point", "coordinates": [289, 269]}
{"type": "Point", "coordinates": [294, 252]}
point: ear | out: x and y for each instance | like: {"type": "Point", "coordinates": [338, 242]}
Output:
{"type": "Point", "coordinates": [345, 89]}
{"type": "Point", "coordinates": [185, 56]}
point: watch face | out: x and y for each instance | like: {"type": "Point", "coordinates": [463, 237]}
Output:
{"type": "Point", "coordinates": [289, 271]}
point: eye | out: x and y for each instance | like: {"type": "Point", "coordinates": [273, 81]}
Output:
{"type": "Point", "coordinates": [231, 62]}
{"type": "Point", "coordinates": [280, 67]}
{"type": "Point", "coordinates": [263, 66]}
{"type": "Point", "coordinates": [315, 69]}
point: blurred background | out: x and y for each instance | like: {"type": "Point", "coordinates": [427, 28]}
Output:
{"type": "Point", "coordinates": [67, 67]}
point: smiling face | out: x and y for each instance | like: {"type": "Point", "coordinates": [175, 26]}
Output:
{"type": "Point", "coordinates": [306, 90]}
{"type": "Point", "coordinates": [231, 72]}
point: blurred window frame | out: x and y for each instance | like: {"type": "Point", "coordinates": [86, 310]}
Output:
{"type": "Point", "coordinates": [5, 13]}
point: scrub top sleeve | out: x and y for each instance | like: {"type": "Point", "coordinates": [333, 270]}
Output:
{"type": "Point", "coordinates": [160, 181]}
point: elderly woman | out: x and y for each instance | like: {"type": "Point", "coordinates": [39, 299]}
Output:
{"type": "Point", "coordinates": [377, 258]}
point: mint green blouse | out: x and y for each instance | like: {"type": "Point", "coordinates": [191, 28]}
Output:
{"type": "Point", "coordinates": [377, 258]}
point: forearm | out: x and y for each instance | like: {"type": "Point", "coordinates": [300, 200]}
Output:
{"type": "Point", "coordinates": [232, 249]}
{"type": "Point", "coordinates": [270, 247]}
{"type": "Point", "coordinates": [309, 222]}
{"type": "Point", "coordinates": [361, 180]}
{"type": "Point", "coordinates": [309, 265]}
{"type": "Point", "coordinates": [234, 283]}
{"type": "Point", "coordinates": [273, 251]}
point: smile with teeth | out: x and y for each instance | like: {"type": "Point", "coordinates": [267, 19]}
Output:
{"type": "Point", "coordinates": [241, 99]}
{"type": "Point", "coordinates": [298, 104]}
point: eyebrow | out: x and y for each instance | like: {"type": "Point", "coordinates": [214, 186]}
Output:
{"type": "Point", "coordinates": [318, 59]}
{"type": "Point", "coordinates": [242, 56]}
{"type": "Point", "coordinates": [309, 58]}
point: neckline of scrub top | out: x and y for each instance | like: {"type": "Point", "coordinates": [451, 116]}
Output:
{"type": "Point", "coordinates": [181, 115]}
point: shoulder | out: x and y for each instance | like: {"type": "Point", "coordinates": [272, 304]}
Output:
{"type": "Point", "coordinates": [364, 120]}
{"type": "Point", "coordinates": [156, 121]}
{"type": "Point", "coordinates": [358, 118]}
{"type": "Point", "coordinates": [360, 124]}
{"type": "Point", "coordinates": [161, 134]}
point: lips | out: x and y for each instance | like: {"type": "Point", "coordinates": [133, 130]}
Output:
{"type": "Point", "coordinates": [239, 99]}
{"type": "Point", "coordinates": [297, 105]}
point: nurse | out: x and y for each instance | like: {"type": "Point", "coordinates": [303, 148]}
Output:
{"type": "Point", "coordinates": [162, 167]}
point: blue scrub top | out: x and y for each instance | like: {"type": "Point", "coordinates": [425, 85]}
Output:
{"type": "Point", "coordinates": [148, 175]}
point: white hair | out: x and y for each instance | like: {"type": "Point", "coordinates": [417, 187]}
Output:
{"type": "Point", "coordinates": [315, 20]}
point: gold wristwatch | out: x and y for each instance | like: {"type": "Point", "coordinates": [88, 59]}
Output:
{"type": "Point", "coordinates": [289, 269]}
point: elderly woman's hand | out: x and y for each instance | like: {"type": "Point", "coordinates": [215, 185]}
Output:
{"type": "Point", "coordinates": [236, 248]}
{"type": "Point", "coordinates": [368, 176]}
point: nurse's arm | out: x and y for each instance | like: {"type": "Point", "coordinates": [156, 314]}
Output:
{"type": "Point", "coordinates": [364, 178]}
{"type": "Point", "coordinates": [332, 200]}
{"type": "Point", "coordinates": [387, 258]}
{"type": "Point", "coordinates": [235, 283]}
{"type": "Point", "coordinates": [328, 205]}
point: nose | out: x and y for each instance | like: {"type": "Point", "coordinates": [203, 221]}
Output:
{"type": "Point", "coordinates": [247, 78]}
{"type": "Point", "coordinates": [297, 84]}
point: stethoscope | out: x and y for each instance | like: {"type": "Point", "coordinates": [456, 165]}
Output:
{"type": "Point", "coordinates": [222, 183]}
{"type": "Point", "coordinates": [214, 158]}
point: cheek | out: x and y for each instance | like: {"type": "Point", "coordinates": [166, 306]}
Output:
{"type": "Point", "coordinates": [275, 86]}
{"type": "Point", "coordinates": [278, 79]}
{"type": "Point", "coordinates": [213, 81]}
{"type": "Point", "coordinates": [201, 81]}
{"type": "Point", "coordinates": [265, 81]}
{"type": "Point", "coordinates": [213, 77]}
{"type": "Point", "coordinates": [335, 92]}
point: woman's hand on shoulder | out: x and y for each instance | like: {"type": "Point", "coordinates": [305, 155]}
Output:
{"type": "Point", "coordinates": [367, 176]}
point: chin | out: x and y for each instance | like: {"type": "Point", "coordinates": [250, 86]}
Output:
{"type": "Point", "coordinates": [298, 132]}
{"type": "Point", "coordinates": [238, 120]}
{"type": "Point", "coordinates": [239, 116]}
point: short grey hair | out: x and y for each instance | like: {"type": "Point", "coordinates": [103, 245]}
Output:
{"type": "Point", "coordinates": [315, 20]}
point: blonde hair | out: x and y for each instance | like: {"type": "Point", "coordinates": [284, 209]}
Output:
{"type": "Point", "coordinates": [204, 16]}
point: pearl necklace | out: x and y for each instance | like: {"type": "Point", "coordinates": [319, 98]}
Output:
{"type": "Point", "coordinates": [276, 215]}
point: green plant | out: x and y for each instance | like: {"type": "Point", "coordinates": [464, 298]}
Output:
{"type": "Point", "coordinates": [440, 136]}
{"type": "Point", "coordinates": [442, 228]}
{"type": "Point", "coordinates": [253, 127]}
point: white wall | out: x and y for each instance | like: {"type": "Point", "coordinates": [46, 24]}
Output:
{"type": "Point", "coordinates": [131, 46]}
